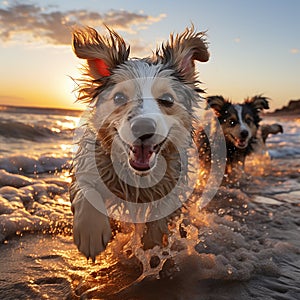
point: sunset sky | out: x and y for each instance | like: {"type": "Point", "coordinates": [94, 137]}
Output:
{"type": "Point", "coordinates": [254, 45]}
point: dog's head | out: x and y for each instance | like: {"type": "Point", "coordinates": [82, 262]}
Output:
{"type": "Point", "coordinates": [239, 121]}
{"type": "Point", "coordinates": [141, 106]}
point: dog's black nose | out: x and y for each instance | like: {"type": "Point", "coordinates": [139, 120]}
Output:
{"type": "Point", "coordinates": [143, 128]}
{"type": "Point", "coordinates": [244, 134]}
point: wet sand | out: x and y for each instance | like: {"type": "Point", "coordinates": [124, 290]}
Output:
{"type": "Point", "coordinates": [248, 248]}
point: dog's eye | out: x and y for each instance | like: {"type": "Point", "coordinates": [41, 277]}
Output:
{"type": "Point", "coordinates": [232, 123]}
{"type": "Point", "coordinates": [120, 98]}
{"type": "Point", "coordinates": [249, 120]}
{"type": "Point", "coordinates": [166, 100]}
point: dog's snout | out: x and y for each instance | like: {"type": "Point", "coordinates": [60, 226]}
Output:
{"type": "Point", "coordinates": [244, 134]}
{"type": "Point", "coordinates": [143, 128]}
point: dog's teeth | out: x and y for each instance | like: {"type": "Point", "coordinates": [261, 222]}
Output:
{"type": "Point", "coordinates": [131, 155]}
{"type": "Point", "coordinates": [133, 149]}
{"type": "Point", "coordinates": [152, 158]}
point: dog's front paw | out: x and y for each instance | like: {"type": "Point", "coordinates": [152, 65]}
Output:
{"type": "Point", "coordinates": [91, 228]}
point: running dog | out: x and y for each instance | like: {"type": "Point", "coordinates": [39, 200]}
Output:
{"type": "Point", "coordinates": [239, 123]}
{"type": "Point", "coordinates": [136, 134]}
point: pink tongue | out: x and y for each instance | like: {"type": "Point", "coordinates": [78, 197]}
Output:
{"type": "Point", "coordinates": [141, 156]}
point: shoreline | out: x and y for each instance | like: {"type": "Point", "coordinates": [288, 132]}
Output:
{"type": "Point", "coordinates": [37, 265]}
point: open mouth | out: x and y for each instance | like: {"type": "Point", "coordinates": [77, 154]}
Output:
{"type": "Point", "coordinates": [142, 157]}
{"type": "Point", "coordinates": [240, 143]}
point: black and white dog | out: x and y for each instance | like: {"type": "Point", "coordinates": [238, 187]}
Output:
{"type": "Point", "coordinates": [239, 123]}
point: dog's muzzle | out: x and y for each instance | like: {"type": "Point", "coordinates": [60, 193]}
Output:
{"type": "Point", "coordinates": [143, 151]}
{"type": "Point", "coordinates": [241, 142]}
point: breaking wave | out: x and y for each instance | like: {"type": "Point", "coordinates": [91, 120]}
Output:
{"type": "Point", "coordinates": [31, 132]}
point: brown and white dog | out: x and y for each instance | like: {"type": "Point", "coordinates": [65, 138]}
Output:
{"type": "Point", "coordinates": [239, 123]}
{"type": "Point", "coordinates": [137, 132]}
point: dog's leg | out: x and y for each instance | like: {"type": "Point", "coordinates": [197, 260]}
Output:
{"type": "Point", "coordinates": [91, 228]}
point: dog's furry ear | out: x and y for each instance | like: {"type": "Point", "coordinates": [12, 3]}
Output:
{"type": "Point", "coordinates": [182, 50]}
{"type": "Point", "coordinates": [258, 102]}
{"type": "Point", "coordinates": [103, 53]}
{"type": "Point", "coordinates": [216, 103]}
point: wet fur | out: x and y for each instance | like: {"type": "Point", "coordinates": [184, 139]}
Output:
{"type": "Point", "coordinates": [234, 119]}
{"type": "Point", "coordinates": [170, 70]}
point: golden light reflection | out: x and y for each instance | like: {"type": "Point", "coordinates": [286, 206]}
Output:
{"type": "Point", "coordinates": [54, 129]}
{"type": "Point", "coordinates": [258, 164]}
{"type": "Point", "coordinates": [66, 147]}
{"type": "Point", "coordinates": [66, 176]}
{"type": "Point", "coordinates": [69, 122]}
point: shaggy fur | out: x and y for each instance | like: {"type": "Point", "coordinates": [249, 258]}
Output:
{"type": "Point", "coordinates": [239, 123]}
{"type": "Point", "coordinates": [142, 110]}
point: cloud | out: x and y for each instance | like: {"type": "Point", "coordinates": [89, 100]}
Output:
{"type": "Point", "coordinates": [294, 51]}
{"type": "Point", "coordinates": [53, 26]}
{"type": "Point", "coordinates": [237, 40]}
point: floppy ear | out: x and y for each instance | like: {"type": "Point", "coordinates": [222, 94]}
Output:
{"type": "Point", "coordinates": [103, 53]}
{"type": "Point", "coordinates": [182, 51]}
{"type": "Point", "coordinates": [258, 102]}
{"type": "Point", "coordinates": [216, 103]}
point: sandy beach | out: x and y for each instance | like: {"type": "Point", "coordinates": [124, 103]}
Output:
{"type": "Point", "coordinates": [260, 242]}
{"type": "Point", "coordinates": [243, 245]}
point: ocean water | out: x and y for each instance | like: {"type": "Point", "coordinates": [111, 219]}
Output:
{"type": "Point", "coordinates": [243, 245]}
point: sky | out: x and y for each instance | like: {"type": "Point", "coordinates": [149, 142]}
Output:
{"type": "Point", "coordinates": [254, 45]}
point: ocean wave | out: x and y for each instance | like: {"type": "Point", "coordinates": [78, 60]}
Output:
{"type": "Point", "coordinates": [35, 133]}
{"type": "Point", "coordinates": [22, 164]}
{"type": "Point", "coordinates": [285, 152]}
{"type": "Point", "coordinates": [39, 110]}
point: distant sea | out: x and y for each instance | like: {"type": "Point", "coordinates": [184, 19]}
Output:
{"type": "Point", "coordinates": [33, 133]}
{"type": "Point", "coordinates": [30, 133]}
